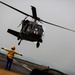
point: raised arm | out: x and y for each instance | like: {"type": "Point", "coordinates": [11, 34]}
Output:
{"type": "Point", "coordinates": [18, 53]}
{"type": "Point", "coordinates": [5, 49]}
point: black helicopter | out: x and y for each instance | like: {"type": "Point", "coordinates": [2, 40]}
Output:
{"type": "Point", "coordinates": [31, 30]}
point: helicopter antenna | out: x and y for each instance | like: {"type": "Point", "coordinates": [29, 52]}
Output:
{"type": "Point", "coordinates": [35, 16]}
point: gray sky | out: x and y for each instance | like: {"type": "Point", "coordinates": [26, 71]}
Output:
{"type": "Point", "coordinates": [58, 48]}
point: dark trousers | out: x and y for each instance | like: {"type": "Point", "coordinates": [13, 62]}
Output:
{"type": "Point", "coordinates": [8, 63]}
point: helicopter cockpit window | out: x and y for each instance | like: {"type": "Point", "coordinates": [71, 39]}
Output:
{"type": "Point", "coordinates": [34, 29]}
{"type": "Point", "coordinates": [29, 29]}
{"type": "Point", "coordinates": [38, 30]}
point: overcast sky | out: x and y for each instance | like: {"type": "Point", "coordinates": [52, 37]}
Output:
{"type": "Point", "coordinates": [58, 48]}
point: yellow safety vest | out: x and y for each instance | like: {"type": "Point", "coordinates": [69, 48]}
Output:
{"type": "Point", "coordinates": [10, 53]}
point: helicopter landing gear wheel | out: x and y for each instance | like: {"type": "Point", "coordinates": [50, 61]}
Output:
{"type": "Point", "coordinates": [37, 44]}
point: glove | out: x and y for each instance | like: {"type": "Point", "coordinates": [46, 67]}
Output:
{"type": "Point", "coordinates": [21, 55]}
{"type": "Point", "coordinates": [2, 48]}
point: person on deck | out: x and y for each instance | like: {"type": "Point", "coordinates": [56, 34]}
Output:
{"type": "Point", "coordinates": [10, 56]}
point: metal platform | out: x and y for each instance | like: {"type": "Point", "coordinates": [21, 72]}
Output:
{"type": "Point", "coordinates": [24, 67]}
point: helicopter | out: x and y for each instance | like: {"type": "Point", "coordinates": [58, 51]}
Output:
{"type": "Point", "coordinates": [31, 30]}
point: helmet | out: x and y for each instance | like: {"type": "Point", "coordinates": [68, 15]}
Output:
{"type": "Point", "coordinates": [13, 47]}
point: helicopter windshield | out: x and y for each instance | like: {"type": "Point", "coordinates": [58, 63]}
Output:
{"type": "Point", "coordinates": [35, 29]}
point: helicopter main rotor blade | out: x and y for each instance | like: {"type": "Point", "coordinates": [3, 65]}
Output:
{"type": "Point", "coordinates": [37, 17]}
{"type": "Point", "coordinates": [15, 9]}
{"type": "Point", "coordinates": [34, 12]}
{"type": "Point", "coordinates": [57, 25]}
{"type": "Point", "coordinates": [19, 10]}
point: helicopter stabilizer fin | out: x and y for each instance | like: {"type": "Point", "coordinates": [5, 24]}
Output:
{"type": "Point", "coordinates": [15, 33]}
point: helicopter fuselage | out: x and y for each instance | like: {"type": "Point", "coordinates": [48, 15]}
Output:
{"type": "Point", "coordinates": [31, 31]}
